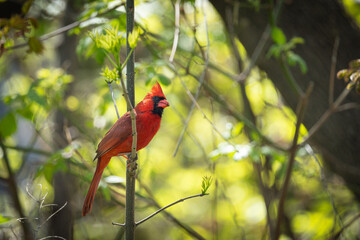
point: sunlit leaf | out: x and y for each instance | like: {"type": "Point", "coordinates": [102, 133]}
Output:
{"type": "Point", "coordinates": [278, 35]}
{"type": "Point", "coordinates": [205, 184]}
{"type": "Point", "coordinates": [4, 219]}
{"type": "Point", "coordinates": [133, 37]}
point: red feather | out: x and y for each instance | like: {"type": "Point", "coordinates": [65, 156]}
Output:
{"type": "Point", "coordinates": [118, 140]}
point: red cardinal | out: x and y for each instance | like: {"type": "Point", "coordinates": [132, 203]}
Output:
{"type": "Point", "coordinates": [118, 139]}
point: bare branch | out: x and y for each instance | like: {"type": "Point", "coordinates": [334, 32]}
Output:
{"type": "Point", "coordinates": [293, 149]}
{"type": "Point", "coordinates": [31, 150]}
{"type": "Point", "coordinates": [337, 235]}
{"type": "Point", "coordinates": [113, 98]}
{"type": "Point", "coordinates": [53, 214]}
{"type": "Point", "coordinates": [172, 204]}
{"type": "Point", "coordinates": [49, 237]}
{"type": "Point", "coordinates": [177, 30]}
{"type": "Point", "coordinates": [347, 106]}
{"type": "Point", "coordinates": [326, 115]}
{"type": "Point", "coordinates": [256, 54]}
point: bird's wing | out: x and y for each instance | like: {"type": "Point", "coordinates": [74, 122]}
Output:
{"type": "Point", "coordinates": [117, 134]}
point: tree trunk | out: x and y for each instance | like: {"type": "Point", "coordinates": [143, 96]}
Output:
{"type": "Point", "coordinates": [319, 23]}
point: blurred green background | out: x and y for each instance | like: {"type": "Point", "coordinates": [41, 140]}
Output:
{"type": "Point", "coordinates": [56, 106]}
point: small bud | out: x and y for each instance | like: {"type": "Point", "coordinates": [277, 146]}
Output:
{"type": "Point", "coordinates": [354, 64]}
{"type": "Point", "coordinates": [342, 73]}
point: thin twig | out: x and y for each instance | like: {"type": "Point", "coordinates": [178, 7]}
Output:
{"type": "Point", "coordinates": [347, 106]}
{"type": "Point", "coordinates": [53, 214]}
{"type": "Point", "coordinates": [177, 30]}
{"type": "Point", "coordinates": [293, 149]}
{"type": "Point", "coordinates": [256, 54]}
{"type": "Point", "coordinates": [12, 230]}
{"type": "Point", "coordinates": [67, 27]}
{"type": "Point", "coordinates": [337, 235]}
{"type": "Point", "coordinates": [28, 235]}
{"type": "Point", "coordinates": [49, 237]}
{"type": "Point", "coordinates": [113, 98]}
{"type": "Point", "coordinates": [229, 20]}
{"type": "Point", "coordinates": [31, 150]}
{"type": "Point", "coordinates": [332, 70]}
{"type": "Point", "coordinates": [201, 80]}
{"type": "Point", "coordinates": [326, 115]}
{"type": "Point", "coordinates": [195, 140]}
{"type": "Point", "coordinates": [172, 204]}
{"type": "Point", "coordinates": [193, 28]}
{"type": "Point", "coordinates": [323, 179]}
{"type": "Point", "coordinates": [201, 111]}
{"type": "Point", "coordinates": [171, 217]}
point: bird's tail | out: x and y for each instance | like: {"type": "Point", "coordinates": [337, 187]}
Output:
{"type": "Point", "coordinates": [89, 199]}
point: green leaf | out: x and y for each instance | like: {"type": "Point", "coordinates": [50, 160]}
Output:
{"type": "Point", "coordinates": [164, 80]}
{"type": "Point", "coordinates": [205, 184]}
{"type": "Point", "coordinates": [48, 171]}
{"type": "Point", "coordinates": [294, 59]}
{"type": "Point", "coordinates": [110, 75]}
{"type": "Point", "coordinates": [25, 112]}
{"type": "Point", "coordinates": [8, 125]}
{"type": "Point", "coordinates": [35, 97]}
{"type": "Point", "coordinates": [296, 40]}
{"type": "Point", "coordinates": [4, 219]}
{"type": "Point", "coordinates": [133, 37]}
{"type": "Point", "coordinates": [255, 154]}
{"type": "Point", "coordinates": [275, 51]}
{"type": "Point", "coordinates": [35, 45]}
{"type": "Point", "coordinates": [106, 193]}
{"type": "Point", "coordinates": [278, 36]}
{"type": "Point", "coordinates": [26, 6]}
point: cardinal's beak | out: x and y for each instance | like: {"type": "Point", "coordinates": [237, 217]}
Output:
{"type": "Point", "coordinates": [163, 103]}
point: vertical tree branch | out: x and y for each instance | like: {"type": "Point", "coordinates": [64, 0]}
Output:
{"type": "Point", "coordinates": [130, 84]}
{"type": "Point", "coordinates": [293, 149]}
{"type": "Point", "coordinates": [177, 30]}
{"type": "Point", "coordinates": [28, 235]}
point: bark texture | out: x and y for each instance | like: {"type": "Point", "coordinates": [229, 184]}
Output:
{"type": "Point", "coordinates": [318, 22]}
